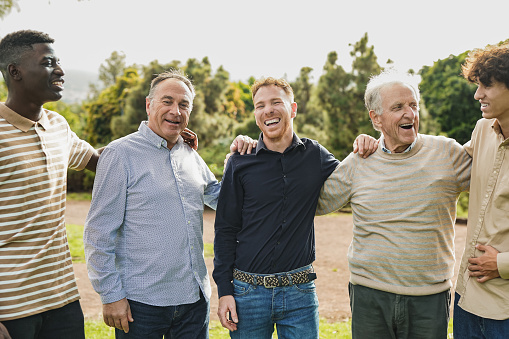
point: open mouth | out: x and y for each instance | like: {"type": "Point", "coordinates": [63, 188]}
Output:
{"type": "Point", "coordinates": [172, 122]}
{"type": "Point", "coordinates": [272, 121]}
{"type": "Point", "coordinates": [406, 126]}
{"type": "Point", "coordinates": [58, 83]}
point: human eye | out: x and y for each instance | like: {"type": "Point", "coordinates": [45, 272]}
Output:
{"type": "Point", "coordinates": [184, 106]}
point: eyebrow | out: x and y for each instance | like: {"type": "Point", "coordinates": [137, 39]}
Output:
{"type": "Point", "coordinates": [172, 98]}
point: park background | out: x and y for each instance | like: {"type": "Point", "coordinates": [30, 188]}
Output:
{"type": "Point", "coordinates": [327, 50]}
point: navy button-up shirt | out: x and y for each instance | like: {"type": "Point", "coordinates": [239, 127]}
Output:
{"type": "Point", "coordinates": [265, 214]}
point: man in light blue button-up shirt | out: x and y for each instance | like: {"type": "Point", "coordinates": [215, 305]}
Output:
{"type": "Point", "coordinates": [144, 231]}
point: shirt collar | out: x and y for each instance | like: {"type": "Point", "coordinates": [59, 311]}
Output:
{"type": "Point", "coordinates": [388, 151]}
{"type": "Point", "coordinates": [496, 128]}
{"type": "Point", "coordinates": [20, 122]}
{"type": "Point", "coordinates": [295, 142]}
{"type": "Point", "coordinates": [153, 138]}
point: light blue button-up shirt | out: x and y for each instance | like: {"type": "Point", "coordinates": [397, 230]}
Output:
{"type": "Point", "coordinates": [144, 231]}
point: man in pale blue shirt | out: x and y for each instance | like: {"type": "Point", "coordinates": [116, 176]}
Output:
{"type": "Point", "coordinates": [144, 231]}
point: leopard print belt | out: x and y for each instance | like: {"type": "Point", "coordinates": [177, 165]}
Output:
{"type": "Point", "coordinates": [275, 280]}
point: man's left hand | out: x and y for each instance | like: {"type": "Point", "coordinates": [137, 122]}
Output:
{"type": "Point", "coordinates": [190, 138]}
{"type": "Point", "coordinates": [484, 267]}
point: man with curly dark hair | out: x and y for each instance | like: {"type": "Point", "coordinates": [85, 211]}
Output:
{"type": "Point", "coordinates": [481, 308]}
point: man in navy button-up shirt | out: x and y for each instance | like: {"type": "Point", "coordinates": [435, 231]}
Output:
{"type": "Point", "coordinates": [264, 221]}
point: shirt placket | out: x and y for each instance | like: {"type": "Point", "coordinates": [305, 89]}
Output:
{"type": "Point", "coordinates": [487, 197]}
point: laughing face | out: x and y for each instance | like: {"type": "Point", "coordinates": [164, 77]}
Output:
{"type": "Point", "coordinates": [274, 112]}
{"type": "Point", "coordinates": [169, 109]}
{"type": "Point", "coordinates": [399, 121]}
{"type": "Point", "coordinates": [41, 75]}
{"type": "Point", "coordinates": [494, 101]}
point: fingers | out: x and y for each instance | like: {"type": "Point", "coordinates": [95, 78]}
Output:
{"type": "Point", "coordinates": [242, 144]}
{"type": "Point", "coordinates": [227, 313]}
{"type": "Point", "coordinates": [118, 315]}
{"type": "Point", "coordinates": [365, 145]}
{"type": "Point", "coordinates": [226, 160]}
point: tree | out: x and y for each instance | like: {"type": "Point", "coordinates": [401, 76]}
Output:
{"type": "Point", "coordinates": [110, 103]}
{"type": "Point", "coordinates": [341, 97]}
{"type": "Point", "coordinates": [302, 88]}
{"type": "Point", "coordinates": [6, 6]}
{"type": "Point", "coordinates": [112, 69]}
{"type": "Point", "coordinates": [448, 97]}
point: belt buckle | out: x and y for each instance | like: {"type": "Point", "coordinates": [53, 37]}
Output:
{"type": "Point", "coordinates": [266, 281]}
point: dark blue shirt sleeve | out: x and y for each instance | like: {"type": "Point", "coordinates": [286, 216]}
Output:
{"type": "Point", "coordinates": [228, 223]}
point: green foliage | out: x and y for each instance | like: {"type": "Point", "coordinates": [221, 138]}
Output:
{"type": "Point", "coordinates": [73, 113]}
{"type": "Point", "coordinates": [113, 69]}
{"type": "Point", "coordinates": [110, 103]}
{"type": "Point", "coordinates": [3, 90]}
{"type": "Point", "coordinates": [6, 6]}
{"type": "Point", "coordinates": [341, 97]}
{"type": "Point", "coordinates": [449, 98]}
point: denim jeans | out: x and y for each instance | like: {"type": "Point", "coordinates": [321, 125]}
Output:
{"type": "Point", "coordinates": [61, 323]}
{"type": "Point", "coordinates": [384, 315]}
{"type": "Point", "coordinates": [471, 326]}
{"type": "Point", "coordinates": [293, 309]}
{"type": "Point", "coordinates": [189, 321]}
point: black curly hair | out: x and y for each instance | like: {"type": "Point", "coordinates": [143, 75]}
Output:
{"type": "Point", "coordinates": [487, 65]}
{"type": "Point", "coordinates": [15, 44]}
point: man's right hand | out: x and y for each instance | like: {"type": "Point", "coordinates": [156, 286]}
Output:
{"type": "Point", "coordinates": [118, 315]}
{"type": "Point", "coordinates": [227, 305]}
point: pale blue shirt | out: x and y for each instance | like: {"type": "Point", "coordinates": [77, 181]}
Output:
{"type": "Point", "coordinates": [144, 231]}
{"type": "Point", "coordinates": [386, 150]}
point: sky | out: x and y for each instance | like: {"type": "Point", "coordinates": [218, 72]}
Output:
{"type": "Point", "coordinates": [260, 37]}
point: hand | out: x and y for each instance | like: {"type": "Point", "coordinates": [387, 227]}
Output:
{"type": "Point", "coordinates": [484, 267]}
{"type": "Point", "coordinates": [227, 305]}
{"type": "Point", "coordinates": [4, 334]}
{"type": "Point", "coordinates": [118, 315]}
{"type": "Point", "coordinates": [190, 138]}
{"type": "Point", "coordinates": [243, 144]}
{"type": "Point", "coordinates": [365, 145]}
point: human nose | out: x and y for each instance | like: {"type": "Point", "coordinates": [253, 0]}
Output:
{"type": "Point", "coordinates": [59, 69]}
{"type": "Point", "coordinates": [175, 109]}
{"type": "Point", "coordinates": [479, 93]}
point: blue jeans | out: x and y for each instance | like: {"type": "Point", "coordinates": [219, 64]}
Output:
{"type": "Point", "coordinates": [61, 323]}
{"type": "Point", "coordinates": [189, 321]}
{"type": "Point", "coordinates": [471, 326]}
{"type": "Point", "coordinates": [293, 309]}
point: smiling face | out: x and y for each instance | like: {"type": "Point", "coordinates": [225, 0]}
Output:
{"type": "Point", "coordinates": [169, 109]}
{"type": "Point", "coordinates": [274, 112]}
{"type": "Point", "coordinates": [399, 121]}
{"type": "Point", "coordinates": [494, 101]}
{"type": "Point", "coordinates": [40, 75]}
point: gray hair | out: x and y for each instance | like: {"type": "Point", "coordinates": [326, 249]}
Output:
{"type": "Point", "coordinates": [171, 74]}
{"type": "Point", "coordinates": [377, 83]}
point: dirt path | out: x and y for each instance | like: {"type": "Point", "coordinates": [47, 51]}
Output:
{"type": "Point", "coordinates": [333, 235]}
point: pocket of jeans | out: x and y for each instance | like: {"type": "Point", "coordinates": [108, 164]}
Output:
{"type": "Point", "coordinates": [239, 290]}
{"type": "Point", "coordinates": [308, 287]}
